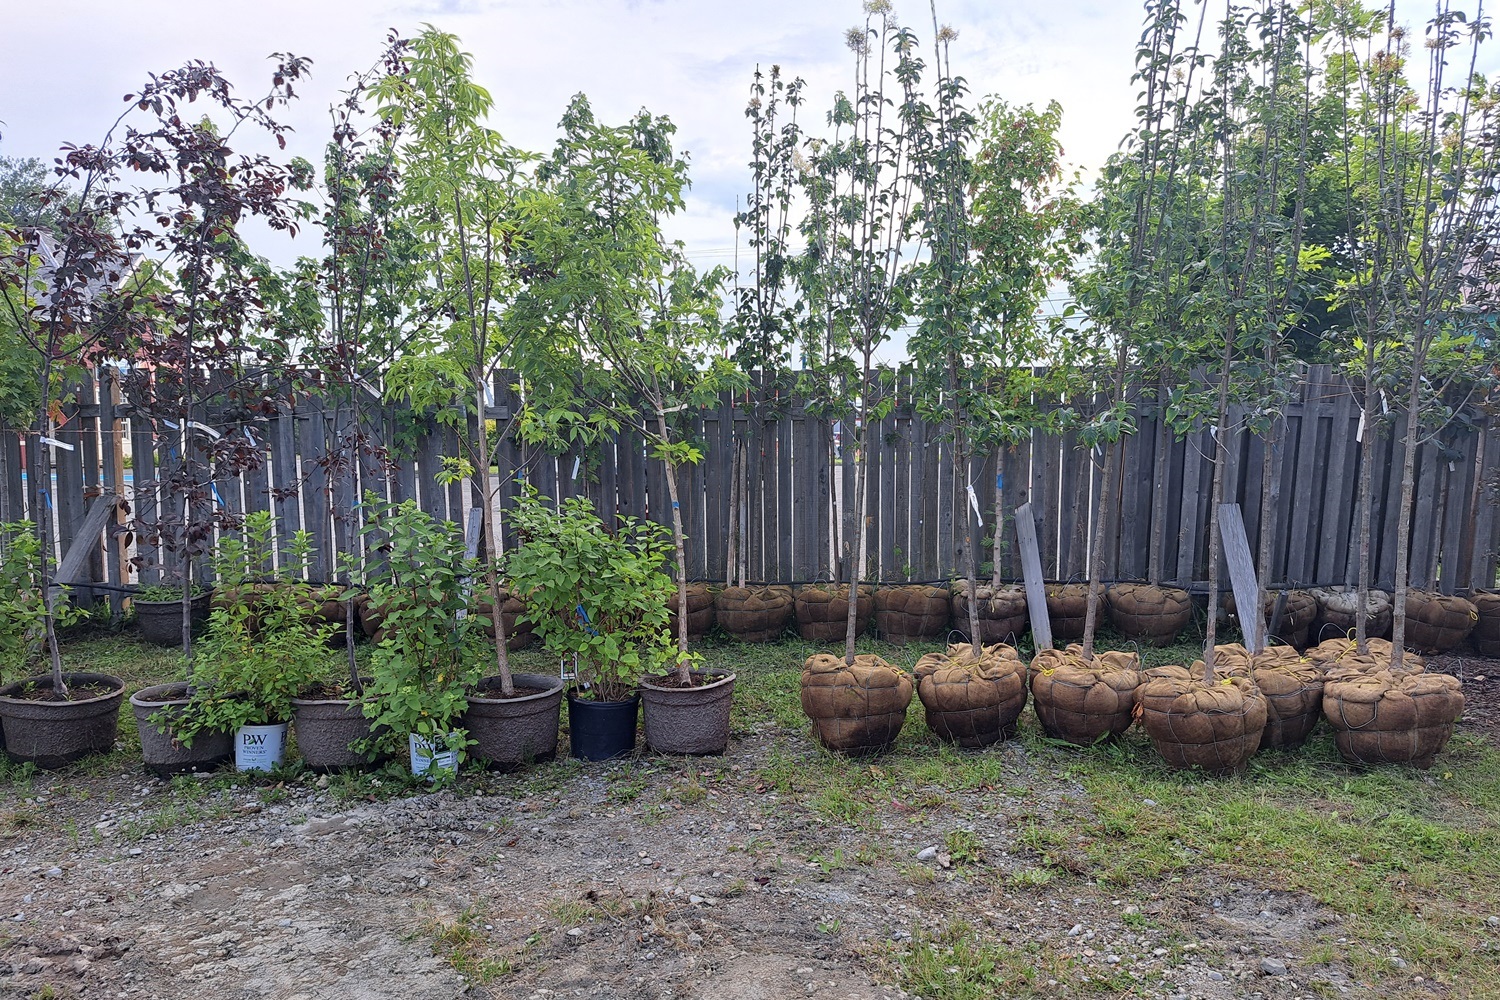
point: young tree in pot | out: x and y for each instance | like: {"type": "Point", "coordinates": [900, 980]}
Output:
{"type": "Point", "coordinates": [860, 191]}
{"type": "Point", "coordinates": [598, 599]}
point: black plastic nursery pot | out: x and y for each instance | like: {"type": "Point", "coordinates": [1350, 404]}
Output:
{"type": "Point", "coordinates": [161, 621]}
{"type": "Point", "coordinates": [601, 730]}
{"type": "Point", "coordinates": [50, 734]}
{"type": "Point", "coordinates": [163, 755]}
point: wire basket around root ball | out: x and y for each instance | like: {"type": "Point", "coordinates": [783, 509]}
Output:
{"type": "Point", "coordinates": [914, 613]}
{"type": "Point", "coordinates": [823, 611]}
{"type": "Point", "coordinates": [1391, 716]}
{"type": "Point", "coordinates": [1436, 623]}
{"type": "Point", "coordinates": [1214, 725]}
{"type": "Point", "coordinates": [972, 702]}
{"type": "Point", "coordinates": [700, 604]}
{"type": "Point", "coordinates": [1343, 652]}
{"type": "Point", "coordinates": [753, 614]}
{"type": "Point", "coordinates": [1002, 612]}
{"type": "Point", "coordinates": [1338, 613]}
{"type": "Point", "coordinates": [1293, 688]}
{"type": "Point", "coordinates": [857, 708]}
{"type": "Point", "coordinates": [1486, 635]}
{"type": "Point", "coordinates": [1149, 613]}
{"type": "Point", "coordinates": [1082, 701]}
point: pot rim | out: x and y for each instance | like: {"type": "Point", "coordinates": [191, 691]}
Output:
{"type": "Point", "coordinates": [557, 685]}
{"type": "Point", "coordinates": [176, 601]}
{"type": "Point", "coordinates": [574, 699]}
{"type": "Point", "coordinates": [348, 702]}
{"type": "Point", "coordinates": [76, 677]}
{"type": "Point", "coordinates": [721, 679]}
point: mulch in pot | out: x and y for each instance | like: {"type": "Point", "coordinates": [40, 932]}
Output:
{"type": "Point", "coordinates": [972, 702]}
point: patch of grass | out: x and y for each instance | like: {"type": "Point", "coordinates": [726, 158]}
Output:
{"type": "Point", "coordinates": [957, 964]}
{"type": "Point", "coordinates": [964, 847]}
{"type": "Point", "coordinates": [569, 912]}
{"type": "Point", "coordinates": [464, 945]}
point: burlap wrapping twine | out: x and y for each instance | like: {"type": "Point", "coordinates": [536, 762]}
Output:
{"type": "Point", "coordinates": [1436, 623]}
{"type": "Point", "coordinates": [1486, 635]}
{"type": "Point", "coordinates": [1391, 716]}
{"type": "Point", "coordinates": [700, 603]}
{"type": "Point", "coordinates": [518, 632]}
{"type": "Point", "coordinates": [1292, 685]}
{"type": "Point", "coordinates": [1215, 725]}
{"type": "Point", "coordinates": [905, 614]}
{"type": "Point", "coordinates": [1067, 606]}
{"type": "Point", "coordinates": [972, 702]}
{"type": "Point", "coordinates": [1080, 700]}
{"type": "Point", "coordinates": [1295, 627]}
{"type": "Point", "coordinates": [1342, 652]}
{"type": "Point", "coordinates": [1002, 612]}
{"type": "Point", "coordinates": [1149, 613]}
{"type": "Point", "coordinates": [1338, 611]}
{"type": "Point", "coordinates": [823, 611]}
{"type": "Point", "coordinates": [855, 709]}
{"type": "Point", "coordinates": [754, 614]}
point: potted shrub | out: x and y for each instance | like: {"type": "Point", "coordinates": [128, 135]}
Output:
{"type": "Point", "coordinates": [598, 599]}
{"type": "Point", "coordinates": [158, 611]}
{"type": "Point", "coordinates": [430, 651]}
{"type": "Point", "coordinates": [39, 725]}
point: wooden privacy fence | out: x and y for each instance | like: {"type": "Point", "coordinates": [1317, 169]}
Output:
{"type": "Point", "coordinates": [788, 521]}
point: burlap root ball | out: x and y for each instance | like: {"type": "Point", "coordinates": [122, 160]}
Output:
{"type": "Point", "coordinates": [1079, 700]}
{"type": "Point", "coordinates": [855, 709]}
{"type": "Point", "coordinates": [1295, 627]}
{"type": "Point", "coordinates": [754, 614]}
{"type": "Point", "coordinates": [972, 702]}
{"type": "Point", "coordinates": [519, 633]}
{"type": "Point", "coordinates": [1331, 653]}
{"type": "Point", "coordinates": [1148, 613]}
{"type": "Point", "coordinates": [1338, 612]}
{"type": "Point", "coordinates": [913, 613]}
{"type": "Point", "coordinates": [1391, 716]}
{"type": "Point", "coordinates": [1067, 606]}
{"type": "Point", "coordinates": [823, 611]}
{"type": "Point", "coordinates": [1292, 685]}
{"type": "Point", "coordinates": [1486, 635]}
{"type": "Point", "coordinates": [1214, 725]}
{"type": "Point", "coordinates": [700, 602]}
{"type": "Point", "coordinates": [1002, 612]}
{"type": "Point", "coordinates": [1436, 623]}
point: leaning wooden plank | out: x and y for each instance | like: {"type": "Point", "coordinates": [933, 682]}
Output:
{"type": "Point", "coordinates": [1241, 566]}
{"type": "Point", "coordinates": [72, 571]}
{"type": "Point", "coordinates": [1031, 568]}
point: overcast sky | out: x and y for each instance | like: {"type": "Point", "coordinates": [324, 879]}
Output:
{"type": "Point", "coordinates": [69, 63]}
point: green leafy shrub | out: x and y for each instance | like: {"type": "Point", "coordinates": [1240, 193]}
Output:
{"type": "Point", "coordinates": [429, 654]}
{"type": "Point", "coordinates": [596, 596]}
{"type": "Point", "coordinates": [23, 613]}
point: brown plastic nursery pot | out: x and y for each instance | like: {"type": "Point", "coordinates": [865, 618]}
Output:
{"type": "Point", "coordinates": [857, 709]}
{"type": "Point", "coordinates": [1002, 612]}
{"type": "Point", "coordinates": [328, 729]}
{"type": "Point", "coordinates": [688, 720]}
{"type": "Point", "coordinates": [753, 614]}
{"type": "Point", "coordinates": [161, 621]}
{"type": "Point", "coordinates": [914, 613]}
{"type": "Point", "coordinates": [511, 732]}
{"type": "Point", "coordinates": [1082, 701]}
{"type": "Point", "coordinates": [1214, 725]}
{"type": "Point", "coordinates": [163, 755]}
{"type": "Point", "coordinates": [50, 734]}
{"type": "Point", "coordinates": [823, 611]}
{"type": "Point", "coordinates": [972, 702]}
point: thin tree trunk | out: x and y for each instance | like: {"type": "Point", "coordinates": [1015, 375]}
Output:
{"type": "Point", "coordinates": [997, 549]}
{"type": "Point", "coordinates": [1096, 550]}
{"type": "Point", "coordinates": [679, 548]}
{"type": "Point", "coordinates": [1221, 459]}
{"type": "Point", "coordinates": [1366, 501]}
{"type": "Point", "coordinates": [1403, 526]}
{"type": "Point", "coordinates": [1267, 533]}
{"type": "Point", "coordinates": [852, 622]}
{"type": "Point", "coordinates": [971, 557]}
{"type": "Point", "coordinates": [41, 482]}
{"type": "Point", "coordinates": [491, 548]}
{"type": "Point", "coordinates": [732, 554]}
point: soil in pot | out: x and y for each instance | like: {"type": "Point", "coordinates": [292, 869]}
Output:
{"type": "Point", "coordinates": [1391, 716]}
{"type": "Point", "coordinates": [1297, 616]}
{"type": "Point", "coordinates": [512, 732]}
{"type": "Point", "coordinates": [1067, 607]}
{"type": "Point", "coordinates": [1436, 623]}
{"type": "Point", "coordinates": [519, 633]}
{"type": "Point", "coordinates": [691, 719]}
{"type": "Point", "coordinates": [916, 613]}
{"type": "Point", "coordinates": [1214, 725]}
{"type": "Point", "coordinates": [1002, 612]}
{"type": "Point", "coordinates": [823, 611]}
{"type": "Point", "coordinates": [161, 621]}
{"type": "Point", "coordinates": [164, 756]}
{"type": "Point", "coordinates": [856, 709]}
{"type": "Point", "coordinates": [329, 724]}
{"type": "Point", "coordinates": [1082, 701]}
{"type": "Point", "coordinates": [700, 602]}
{"type": "Point", "coordinates": [601, 730]}
{"type": "Point", "coordinates": [1338, 611]}
{"type": "Point", "coordinates": [753, 614]}
{"type": "Point", "coordinates": [1148, 613]}
{"type": "Point", "coordinates": [1486, 635]}
{"type": "Point", "coordinates": [972, 702]}
{"type": "Point", "coordinates": [1292, 686]}
{"type": "Point", "coordinates": [48, 731]}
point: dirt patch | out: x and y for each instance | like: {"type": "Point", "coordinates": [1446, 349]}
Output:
{"type": "Point", "coordinates": [1481, 686]}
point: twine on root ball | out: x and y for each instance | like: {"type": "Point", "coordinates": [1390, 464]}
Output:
{"type": "Point", "coordinates": [855, 709]}
{"type": "Point", "coordinates": [972, 702]}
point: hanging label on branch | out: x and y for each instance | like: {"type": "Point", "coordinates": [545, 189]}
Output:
{"type": "Point", "coordinates": [974, 502]}
{"type": "Point", "coordinates": [54, 442]}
